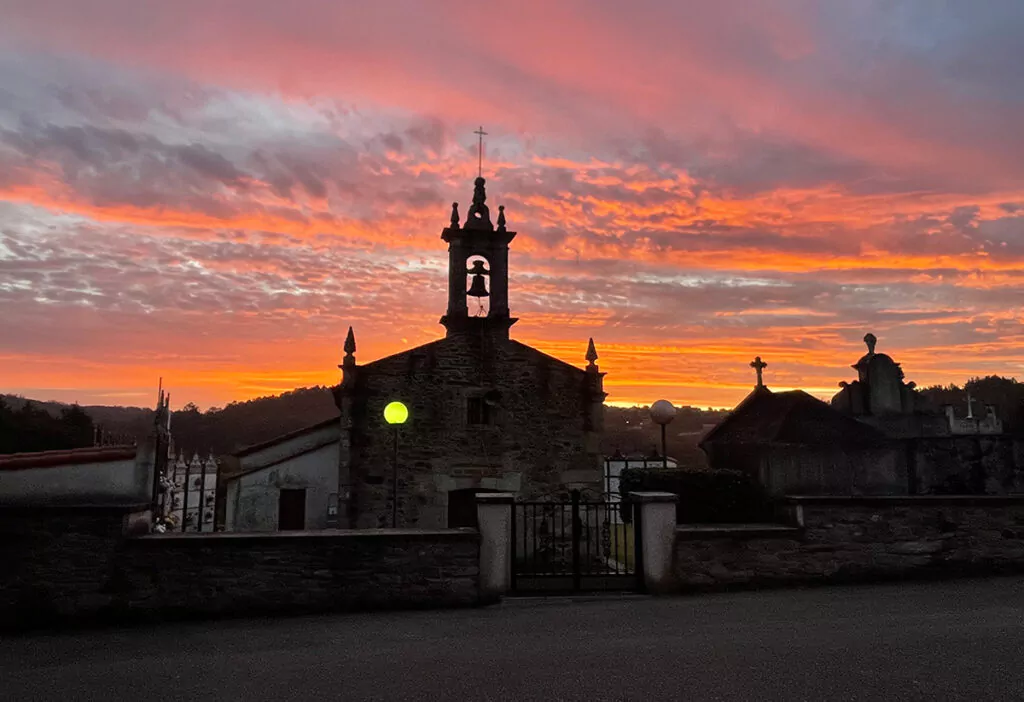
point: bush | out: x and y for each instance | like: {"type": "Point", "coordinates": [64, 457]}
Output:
{"type": "Point", "coordinates": [705, 496]}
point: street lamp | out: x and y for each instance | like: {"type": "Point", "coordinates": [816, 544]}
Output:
{"type": "Point", "coordinates": [663, 412]}
{"type": "Point", "coordinates": [395, 414]}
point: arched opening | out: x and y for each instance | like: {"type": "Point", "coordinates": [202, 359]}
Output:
{"type": "Point", "coordinates": [478, 286]}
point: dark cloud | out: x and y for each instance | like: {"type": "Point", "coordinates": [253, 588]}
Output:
{"type": "Point", "coordinates": [682, 175]}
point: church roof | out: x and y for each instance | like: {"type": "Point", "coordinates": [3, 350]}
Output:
{"type": "Point", "coordinates": [792, 417]}
{"type": "Point", "coordinates": [452, 341]}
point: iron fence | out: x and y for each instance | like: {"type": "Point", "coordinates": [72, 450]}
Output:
{"type": "Point", "coordinates": [575, 545]}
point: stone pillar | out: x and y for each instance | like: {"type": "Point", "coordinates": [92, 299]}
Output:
{"type": "Point", "coordinates": [494, 517]}
{"type": "Point", "coordinates": [344, 516]}
{"type": "Point", "coordinates": [658, 532]}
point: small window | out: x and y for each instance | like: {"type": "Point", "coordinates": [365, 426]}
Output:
{"type": "Point", "coordinates": [478, 412]}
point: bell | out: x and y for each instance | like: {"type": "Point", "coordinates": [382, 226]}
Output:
{"type": "Point", "coordinates": [478, 288]}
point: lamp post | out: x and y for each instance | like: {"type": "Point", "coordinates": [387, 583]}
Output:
{"type": "Point", "coordinates": [663, 412]}
{"type": "Point", "coordinates": [396, 415]}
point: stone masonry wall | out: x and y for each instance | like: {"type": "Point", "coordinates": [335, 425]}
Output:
{"type": "Point", "coordinates": [977, 465]}
{"type": "Point", "coordinates": [865, 538]}
{"type": "Point", "coordinates": [57, 562]}
{"type": "Point", "coordinates": [76, 564]}
{"type": "Point", "coordinates": [544, 435]}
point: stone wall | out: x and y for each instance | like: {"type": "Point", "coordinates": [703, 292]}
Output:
{"type": "Point", "coordinates": [544, 435]}
{"type": "Point", "coordinates": [813, 470]}
{"type": "Point", "coordinates": [856, 538]}
{"type": "Point", "coordinates": [57, 562]}
{"type": "Point", "coordinates": [977, 465]}
{"type": "Point", "coordinates": [78, 564]}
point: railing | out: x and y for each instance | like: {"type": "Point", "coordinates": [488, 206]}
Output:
{"type": "Point", "coordinates": [573, 545]}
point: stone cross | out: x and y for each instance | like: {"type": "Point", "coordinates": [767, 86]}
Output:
{"type": "Point", "coordinates": [970, 406]}
{"type": "Point", "coordinates": [480, 151]}
{"type": "Point", "coordinates": [758, 365]}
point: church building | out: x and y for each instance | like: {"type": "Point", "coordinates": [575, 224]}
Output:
{"type": "Point", "coordinates": [485, 413]}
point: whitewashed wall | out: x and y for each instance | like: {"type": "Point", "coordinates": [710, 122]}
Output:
{"type": "Point", "coordinates": [121, 482]}
{"type": "Point", "coordinates": [307, 462]}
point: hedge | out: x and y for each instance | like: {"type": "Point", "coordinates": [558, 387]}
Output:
{"type": "Point", "coordinates": [705, 496]}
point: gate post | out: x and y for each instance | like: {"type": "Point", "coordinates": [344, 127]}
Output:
{"type": "Point", "coordinates": [657, 528]}
{"type": "Point", "coordinates": [576, 528]}
{"type": "Point", "coordinates": [494, 517]}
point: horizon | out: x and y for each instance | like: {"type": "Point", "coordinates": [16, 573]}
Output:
{"type": "Point", "coordinates": [820, 393]}
{"type": "Point", "coordinates": [214, 194]}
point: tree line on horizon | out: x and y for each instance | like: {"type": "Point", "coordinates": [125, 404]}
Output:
{"type": "Point", "coordinates": [28, 425]}
{"type": "Point", "coordinates": [29, 428]}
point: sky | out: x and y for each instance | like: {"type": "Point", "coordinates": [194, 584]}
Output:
{"type": "Point", "coordinates": [213, 191]}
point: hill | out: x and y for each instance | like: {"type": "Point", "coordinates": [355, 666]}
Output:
{"type": "Point", "coordinates": [218, 430]}
{"type": "Point", "coordinates": [629, 430]}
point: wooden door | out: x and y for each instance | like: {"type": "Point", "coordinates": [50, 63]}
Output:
{"type": "Point", "coordinates": [291, 510]}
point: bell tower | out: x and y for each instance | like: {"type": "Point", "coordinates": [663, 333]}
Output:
{"type": "Point", "coordinates": [477, 268]}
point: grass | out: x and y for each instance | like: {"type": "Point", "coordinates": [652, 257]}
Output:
{"type": "Point", "coordinates": [622, 543]}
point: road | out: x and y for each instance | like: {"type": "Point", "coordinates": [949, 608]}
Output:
{"type": "Point", "coordinates": [938, 641]}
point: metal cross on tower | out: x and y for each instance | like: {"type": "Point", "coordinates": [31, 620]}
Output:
{"type": "Point", "coordinates": [480, 151]}
{"type": "Point", "coordinates": [758, 365]}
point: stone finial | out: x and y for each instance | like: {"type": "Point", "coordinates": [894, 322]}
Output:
{"type": "Point", "coordinates": [350, 348]}
{"type": "Point", "coordinates": [479, 217]}
{"type": "Point", "coordinates": [870, 339]}
{"type": "Point", "coordinates": [758, 365]}
{"type": "Point", "coordinates": [501, 218]}
{"type": "Point", "coordinates": [455, 215]}
{"type": "Point", "coordinates": [591, 356]}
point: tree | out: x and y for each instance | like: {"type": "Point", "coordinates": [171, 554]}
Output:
{"type": "Point", "coordinates": [1005, 394]}
{"type": "Point", "coordinates": [31, 429]}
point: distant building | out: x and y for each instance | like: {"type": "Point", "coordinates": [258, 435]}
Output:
{"type": "Point", "coordinates": [877, 436]}
{"type": "Point", "coordinates": [796, 444]}
{"type": "Point", "coordinates": [615, 464]}
{"type": "Point", "coordinates": [486, 412]}
{"type": "Point", "coordinates": [970, 425]}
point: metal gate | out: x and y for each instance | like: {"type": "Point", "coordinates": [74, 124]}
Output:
{"type": "Point", "coordinates": [576, 545]}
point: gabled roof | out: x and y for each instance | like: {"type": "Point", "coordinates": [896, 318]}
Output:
{"type": "Point", "coordinates": [285, 437]}
{"type": "Point", "coordinates": [48, 459]}
{"type": "Point", "coordinates": [443, 341]}
{"type": "Point", "coordinates": [792, 417]}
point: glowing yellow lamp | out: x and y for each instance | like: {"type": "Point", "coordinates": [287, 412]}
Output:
{"type": "Point", "coordinates": [396, 413]}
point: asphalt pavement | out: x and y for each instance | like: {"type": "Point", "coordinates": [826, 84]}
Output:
{"type": "Point", "coordinates": [955, 640]}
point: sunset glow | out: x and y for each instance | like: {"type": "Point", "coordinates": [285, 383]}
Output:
{"type": "Point", "coordinates": [212, 193]}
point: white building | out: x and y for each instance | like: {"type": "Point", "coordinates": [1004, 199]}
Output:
{"type": "Point", "coordinates": [614, 466]}
{"type": "Point", "coordinates": [289, 482]}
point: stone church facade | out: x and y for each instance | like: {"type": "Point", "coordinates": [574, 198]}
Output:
{"type": "Point", "coordinates": [486, 412]}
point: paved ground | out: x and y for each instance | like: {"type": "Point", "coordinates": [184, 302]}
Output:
{"type": "Point", "coordinates": [948, 641]}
